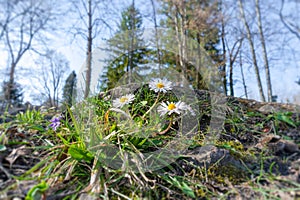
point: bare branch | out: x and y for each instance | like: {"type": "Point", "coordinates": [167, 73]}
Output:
{"type": "Point", "coordinates": [293, 28]}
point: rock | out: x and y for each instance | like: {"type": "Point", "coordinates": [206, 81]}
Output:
{"type": "Point", "coordinates": [277, 145]}
{"type": "Point", "coordinates": [207, 156]}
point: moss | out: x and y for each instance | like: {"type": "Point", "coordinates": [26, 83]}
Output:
{"type": "Point", "coordinates": [235, 148]}
{"type": "Point", "coordinates": [201, 193]}
{"type": "Point", "coordinates": [224, 173]}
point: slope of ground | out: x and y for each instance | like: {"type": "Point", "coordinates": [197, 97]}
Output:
{"type": "Point", "coordinates": [256, 155]}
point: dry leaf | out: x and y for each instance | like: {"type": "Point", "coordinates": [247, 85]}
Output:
{"type": "Point", "coordinates": [13, 156]}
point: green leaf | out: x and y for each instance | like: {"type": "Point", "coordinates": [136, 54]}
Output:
{"type": "Point", "coordinates": [175, 182]}
{"type": "Point", "coordinates": [37, 127]}
{"type": "Point", "coordinates": [187, 190]}
{"type": "Point", "coordinates": [144, 103]}
{"type": "Point", "coordinates": [182, 186]}
{"type": "Point", "coordinates": [63, 139]}
{"type": "Point", "coordinates": [285, 118]}
{"type": "Point", "coordinates": [80, 154]}
{"type": "Point", "coordinates": [37, 191]}
{"type": "Point", "coordinates": [285, 137]}
{"type": "Point", "coordinates": [142, 142]}
{"type": "Point", "coordinates": [2, 147]}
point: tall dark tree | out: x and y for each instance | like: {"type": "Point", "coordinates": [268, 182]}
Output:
{"type": "Point", "coordinates": [69, 90]}
{"type": "Point", "coordinates": [126, 47]}
{"type": "Point", "coordinates": [15, 94]}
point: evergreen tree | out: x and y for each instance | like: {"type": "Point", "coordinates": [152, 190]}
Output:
{"type": "Point", "coordinates": [126, 48]}
{"type": "Point", "coordinates": [13, 94]}
{"type": "Point", "coordinates": [69, 90]}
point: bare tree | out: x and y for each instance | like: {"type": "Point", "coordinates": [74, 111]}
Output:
{"type": "Point", "coordinates": [264, 50]}
{"type": "Point", "coordinates": [290, 23]}
{"type": "Point", "coordinates": [223, 66]}
{"type": "Point", "coordinates": [23, 22]}
{"type": "Point", "coordinates": [92, 19]}
{"type": "Point", "coordinates": [51, 74]}
{"type": "Point", "coordinates": [6, 16]}
{"type": "Point", "coordinates": [231, 40]}
{"type": "Point", "coordinates": [242, 73]}
{"type": "Point", "coordinates": [89, 50]}
{"type": "Point", "coordinates": [252, 49]}
{"type": "Point", "coordinates": [3, 20]}
{"type": "Point", "coordinates": [232, 54]}
{"type": "Point", "coordinates": [154, 15]}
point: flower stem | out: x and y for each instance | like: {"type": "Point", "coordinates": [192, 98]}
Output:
{"type": "Point", "coordinates": [168, 128]}
{"type": "Point", "coordinates": [143, 117]}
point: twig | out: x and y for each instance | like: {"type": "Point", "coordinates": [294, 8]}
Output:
{"type": "Point", "coordinates": [6, 172]}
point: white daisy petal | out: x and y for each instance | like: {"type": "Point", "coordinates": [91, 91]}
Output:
{"type": "Point", "coordinates": [123, 100]}
{"type": "Point", "coordinates": [162, 109]}
{"type": "Point", "coordinates": [171, 107]}
{"type": "Point", "coordinates": [168, 108]}
{"type": "Point", "coordinates": [185, 107]}
{"type": "Point", "coordinates": [160, 85]}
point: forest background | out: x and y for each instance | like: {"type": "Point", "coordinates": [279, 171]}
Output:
{"type": "Point", "coordinates": [254, 45]}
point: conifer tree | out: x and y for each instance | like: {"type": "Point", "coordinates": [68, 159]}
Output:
{"type": "Point", "coordinates": [69, 90]}
{"type": "Point", "coordinates": [126, 48]}
{"type": "Point", "coordinates": [13, 94]}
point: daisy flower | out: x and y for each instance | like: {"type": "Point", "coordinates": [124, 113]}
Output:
{"type": "Point", "coordinates": [179, 107]}
{"type": "Point", "coordinates": [169, 108]}
{"type": "Point", "coordinates": [123, 100]}
{"type": "Point", "coordinates": [160, 85]}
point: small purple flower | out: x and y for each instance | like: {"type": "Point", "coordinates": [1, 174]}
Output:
{"type": "Point", "coordinates": [55, 123]}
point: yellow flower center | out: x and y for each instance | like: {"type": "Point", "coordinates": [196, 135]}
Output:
{"type": "Point", "coordinates": [160, 85]}
{"type": "Point", "coordinates": [171, 106]}
{"type": "Point", "coordinates": [123, 99]}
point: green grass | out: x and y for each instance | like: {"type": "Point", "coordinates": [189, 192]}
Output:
{"type": "Point", "coordinates": [107, 152]}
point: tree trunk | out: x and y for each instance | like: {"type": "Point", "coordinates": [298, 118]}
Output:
{"type": "Point", "coordinates": [181, 38]}
{"type": "Point", "coordinates": [256, 69]}
{"type": "Point", "coordinates": [223, 67]}
{"type": "Point", "coordinates": [11, 83]}
{"type": "Point", "coordinates": [231, 78]}
{"type": "Point", "coordinates": [243, 77]}
{"type": "Point", "coordinates": [183, 59]}
{"type": "Point", "coordinates": [198, 65]}
{"type": "Point", "coordinates": [89, 52]}
{"type": "Point", "coordinates": [132, 42]}
{"type": "Point", "coordinates": [156, 36]}
{"type": "Point", "coordinates": [232, 59]}
{"type": "Point", "coordinates": [176, 24]}
{"type": "Point", "coordinates": [264, 49]}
